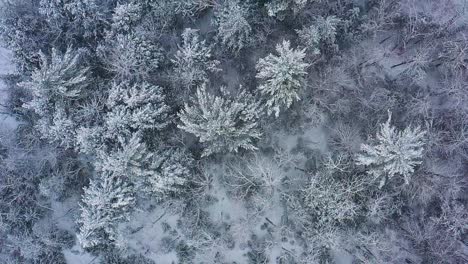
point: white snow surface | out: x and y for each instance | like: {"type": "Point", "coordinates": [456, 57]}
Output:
{"type": "Point", "coordinates": [6, 67]}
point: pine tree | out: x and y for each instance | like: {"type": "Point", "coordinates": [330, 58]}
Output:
{"type": "Point", "coordinates": [59, 80]}
{"type": "Point", "coordinates": [276, 8]}
{"type": "Point", "coordinates": [89, 139]}
{"type": "Point", "coordinates": [106, 201]}
{"type": "Point", "coordinates": [135, 107]}
{"type": "Point", "coordinates": [62, 129]}
{"type": "Point", "coordinates": [24, 31]}
{"type": "Point", "coordinates": [75, 19]}
{"type": "Point", "coordinates": [310, 37]}
{"type": "Point", "coordinates": [58, 85]}
{"type": "Point", "coordinates": [126, 16]}
{"type": "Point", "coordinates": [172, 168]}
{"type": "Point", "coordinates": [130, 56]}
{"type": "Point", "coordinates": [193, 60]}
{"type": "Point", "coordinates": [128, 156]}
{"type": "Point", "coordinates": [281, 77]}
{"type": "Point", "coordinates": [328, 28]}
{"type": "Point", "coordinates": [320, 35]}
{"type": "Point", "coordinates": [395, 152]}
{"type": "Point", "coordinates": [155, 173]}
{"type": "Point", "coordinates": [222, 123]}
{"type": "Point", "coordinates": [234, 30]}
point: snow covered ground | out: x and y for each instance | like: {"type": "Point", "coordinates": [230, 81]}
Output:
{"type": "Point", "coordinates": [6, 67]}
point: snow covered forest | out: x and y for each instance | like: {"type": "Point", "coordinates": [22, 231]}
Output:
{"type": "Point", "coordinates": [234, 131]}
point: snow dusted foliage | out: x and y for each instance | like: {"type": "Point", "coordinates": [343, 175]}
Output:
{"type": "Point", "coordinates": [166, 10]}
{"type": "Point", "coordinates": [322, 32]}
{"type": "Point", "coordinates": [327, 28]}
{"type": "Point", "coordinates": [127, 158]}
{"type": "Point", "coordinates": [330, 201]}
{"type": "Point", "coordinates": [126, 53]}
{"type": "Point", "coordinates": [126, 16]}
{"type": "Point", "coordinates": [135, 107]}
{"type": "Point", "coordinates": [89, 139]}
{"type": "Point", "coordinates": [156, 173]}
{"type": "Point", "coordinates": [107, 200]}
{"type": "Point", "coordinates": [81, 18]}
{"type": "Point", "coordinates": [58, 80]}
{"type": "Point", "coordinates": [276, 8]}
{"type": "Point", "coordinates": [173, 168]}
{"type": "Point", "coordinates": [234, 30]}
{"type": "Point", "coordinates": [193, 61]}
{"type": "Point", "coordinates": [56, 86]}
{"type": "Point", "coordinates": [394, 153]}
{"type": "Point", "coordinates": [62, 129]}
{"type": "Point", "coordinates": [281, 77]}
{"type": "Point", "coordinates": [130, 57]}
{"type": "Point", "coordinates": [310, 37]}
{"type": "Point", "coordinates": [223, 123]}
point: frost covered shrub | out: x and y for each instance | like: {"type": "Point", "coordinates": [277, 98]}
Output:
{"type": "Point", "coordinates": [225, 123]}
{"type": "Point", "coordinates": [234, 30]}
{"type": "Point", "coordinates": [281, 77]}
{"type": "Point", "coordinates": [394, 153]}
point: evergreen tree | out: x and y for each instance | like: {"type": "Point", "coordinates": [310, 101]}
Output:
{"type": "Point", "coordinates": [78, 21]}
{"type": "Point", "coordinates": [234, 30]}
{"type": "Point", "coordinates": [57, 86]}
{"type": "Point", "coordinates": [395, 152]}
{"type": "Point", "coordinates": [281, 77]}
{"type": "Point", "coordinates": [127, 156]}
{"type": "Point", "coordinates": [320, 35]}
{"type": "Point", "coordinates": [126, 17]}
{"type": "Point", "coordinates": [135, 107]}
{"type": "Point", "coordinates": [193, 61]}
{"type": "Point", "coordinates": [310, 37]}
{"type": "Point", "coordinates": [172, 168]}
{"type": "Point", "coordinates": [130, 56]}
{"type": "Point", "coordinates": [328, 28]}
{"type": "Point", "coordinates": [276, 8]}
{"type": "Point", "coordinates": [106, 201]}
{"type": "Point", "coordinates": [24, 31]}
{"type": "Point", "coordinates": [156, 173]}
{"type": "Point", "coordinates": [222, 123]}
